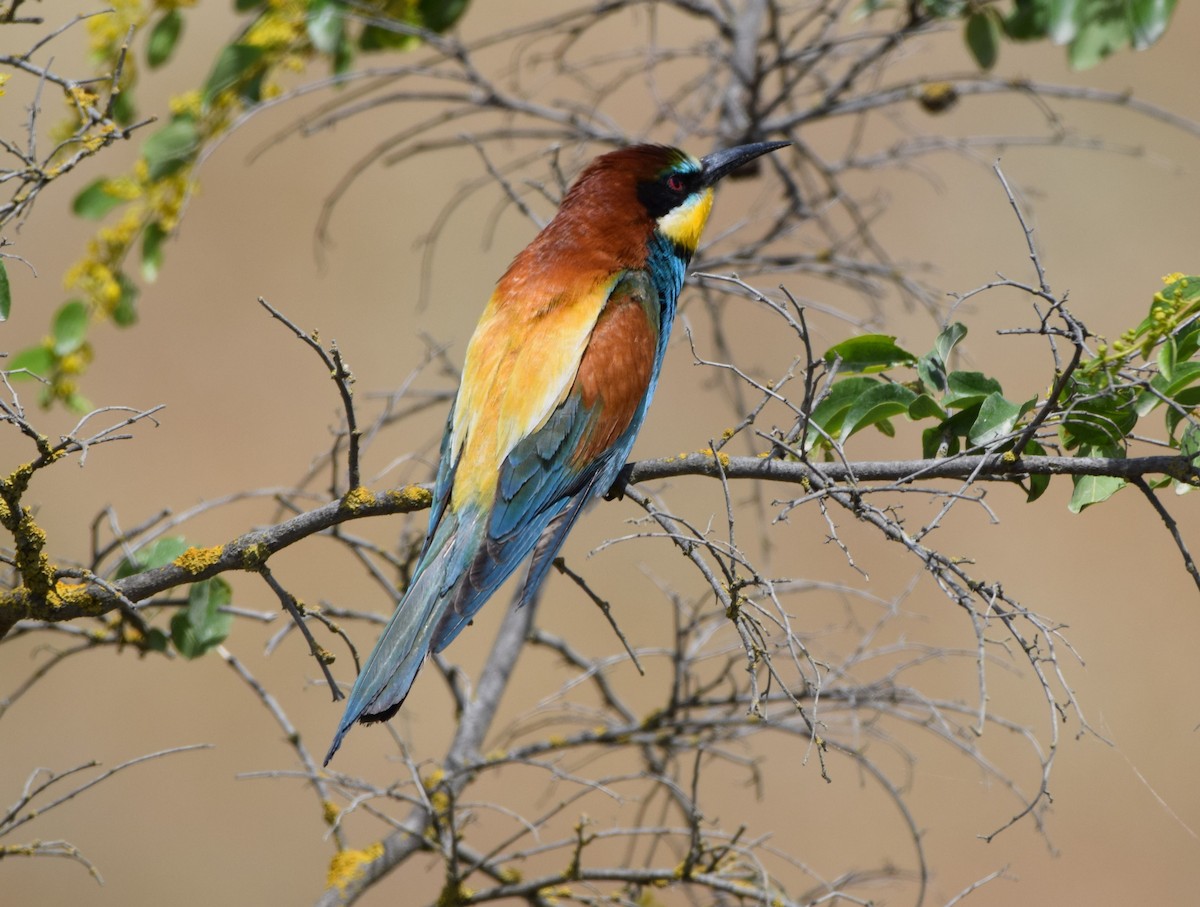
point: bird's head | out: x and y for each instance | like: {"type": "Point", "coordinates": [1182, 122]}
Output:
{"type": "Point", "coordinates": [678, 193]}
{"type": "Point", "coordinates": [654, 188]}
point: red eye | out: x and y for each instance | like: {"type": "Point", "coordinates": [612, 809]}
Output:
{"type": "Point", "coordinates": [674, 183]}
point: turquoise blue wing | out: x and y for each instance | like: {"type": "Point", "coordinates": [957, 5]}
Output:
{"type": "Point", "coordinates": [549, 476]}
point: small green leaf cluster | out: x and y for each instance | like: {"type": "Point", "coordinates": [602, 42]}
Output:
{"type": "Point", "coordinates": [1095, 408]}
{"type": "Point", "coordinates": [200, 625]}
{"type": "Point", "coordinates": [968, 409]}
{"type": "Point", "coordinates": [1090, 29]}
{"type": "Point", "coordinates": [147, 203]}
{"type": "Point", "coordinates": [1110, 392]}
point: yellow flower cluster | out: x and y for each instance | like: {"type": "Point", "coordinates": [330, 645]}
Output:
{"type": "Point", "coordinates": [106, 32]}
{"type": "Point", "coordinates": [95, 275]}
{"type": "Point", "coordinates": [158, 201]}
{"type": "Point", "coordinates": [94, 279]}
{"type": "Point", "coordinates": [190, 103]}
{"type": "Point", "coordinates": [280, 27]}
{"type": "Point", "coordinates": [3, 79]}
{"type": "Point", "coordinates": [165, 198]}
{"type": "Point", "coordinates": [1167, 312]}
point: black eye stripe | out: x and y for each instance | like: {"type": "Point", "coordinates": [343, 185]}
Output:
{"type": "Point", "coordinates": [669, 191]}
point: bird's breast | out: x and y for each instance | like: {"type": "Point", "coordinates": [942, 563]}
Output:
{"type": "Point", "coordinates": [617, 366]}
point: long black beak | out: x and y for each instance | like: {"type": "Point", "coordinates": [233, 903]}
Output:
{"type": "Point", "coordinates": [720, 163]}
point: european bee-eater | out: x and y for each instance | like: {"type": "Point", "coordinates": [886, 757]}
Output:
{"type": "Point", "coordinates": [557, 379]}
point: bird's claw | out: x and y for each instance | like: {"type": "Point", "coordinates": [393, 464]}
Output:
{"type": "Point", "coordinates": [616, 491]}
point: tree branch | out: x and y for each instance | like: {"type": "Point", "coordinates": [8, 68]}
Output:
{"type": "Point", "coordinates": [248, 552]}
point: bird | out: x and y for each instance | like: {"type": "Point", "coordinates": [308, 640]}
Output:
{"type": "Point", "coordinates": [555, 386]}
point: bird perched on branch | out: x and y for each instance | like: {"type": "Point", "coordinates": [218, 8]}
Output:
{"type": "Point", "coordinates": [556, 383]}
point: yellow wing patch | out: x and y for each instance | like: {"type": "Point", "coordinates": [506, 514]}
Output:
{"type": "Point", "coordinates": [521, 362]}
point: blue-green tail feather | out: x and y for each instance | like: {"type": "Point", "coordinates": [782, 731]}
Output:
{"type": "Point", "coordinates": [390, 669]}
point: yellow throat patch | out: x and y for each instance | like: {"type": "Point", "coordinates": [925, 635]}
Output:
{"type": "Point", "coordinates": [683, 225]}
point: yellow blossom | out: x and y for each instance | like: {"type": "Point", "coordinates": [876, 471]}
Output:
{"type": "Point", "coordinates": [3, 79]}
{"type": "Point", "coordinates": [275, 30]}
{"type": "Point", "coordinates": [166, 196]}
{"type": "Point", "coordinates": [74, 363]}
{"type": "Point", "coordinates": [123, 187]}
{"type": "Point", "coordinates": [91, 277]}
{"type": "Point", "coordinates": [116, 239]}
{"type": "Point", "coordinates": [81, 96]}
{"type": "Point", "coordinates": [190, 102]}
{"type": "Point", "coordinates": [107, 31]}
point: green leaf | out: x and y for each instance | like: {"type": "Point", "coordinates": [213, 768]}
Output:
{"type": "Point", "coordinates": [1037, 484]}
{"type": "Point", "coordinates": [1187, 340]}
{"type": "Point", "coordinates": [343, 57]}
{"type": "Point", "coordinates": [925, 407]}
{"type": "Point", "coordinates": [234, 66]}
{"type": "Point", "coordinates": [948, 339]}
{"type": "Point", "coordinates": [1029, 21]}
{"type": "Point", "coordinates": [439, 15]}
{"type": "Point", "coordinates": [932, 372]}
{"type": "Point", "coordinates": [938, 442]}
{"type": "Point", "coordinates": [33, 361]}
{"type": "Point", "coordinates": [1063, 20]}
{"type": "Point", "coordinates": [70, 327]}
{"type": "Point", "coordinates": [379, 37]}
{"type": "Point", "coordinates": [202, 625]}
{"type": "Point", "coordinates": [931, 368]}
{"type": "Point", "coordinates": [124, 313]}
{"type": "Point", "coordinates": [158, 553]}
{"type": "Point", "coordinates": [868, 353]}
{"type": "Point", "coordinates": [965, 389]}
{"type": "Point", "coordinates": [1098, 37]}
{"type": "Point", "coordinates": [78, 403]}
{"type": "Point", "coordinates": [95, 201]}
{"type": "Point", "coordinates": [1182, 377]}
{"type": "Point", "coordinates": [983, 38]}
{"type": "Point", "coordinates": [996, 419]}
{"type": "Point", "coordinates": [1091, 490]}
{"type": "Point", "coordinates": [163, 38]}
{"type": "Point", "coordinates": [1187, 399]}
{"type": "Point", "coordinates": [156, 640]}
{"type": "Point", "coordinates": [831, 411]}
{"type": "Point", "coordinates": [1189, 446]}
{"type": "Point", "coordinates": [875, 407]}
{"type": "Point", "coordinates": [1167, 353]}
{"type": "Point", "coordinates": [124, 109]}
{"type": "Point", "coordinates": [152, 255]}
{"type": "Point", "coordinates": [1098, 416]}
{"type": "Point", "coordinates": [947, 438]}
{"type": "Point", "coordinates": [5, 293]}
{"type": "Point", "coordinates": [325, 25]}
{"type": "Point", "coordinates": [171, 147]}
{"type": "Point", "coordinates": [1148, 20]}
{"type": "Point", "coordinates": [243, 6]}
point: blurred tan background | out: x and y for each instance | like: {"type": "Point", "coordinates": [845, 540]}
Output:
{"type": "Point", "coordinates": [249, 407]}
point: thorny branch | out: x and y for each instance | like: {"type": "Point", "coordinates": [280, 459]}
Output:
{"type": "Point", "coordinates": [738, 661]}
{"type": "Point", "coordinates": [28, 168]}
{"type": "Point", "coordinates": [40, 795]}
